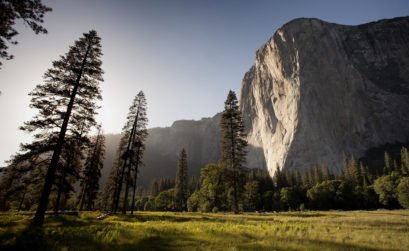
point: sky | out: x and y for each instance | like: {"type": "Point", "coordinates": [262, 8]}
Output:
{"type": "Point", "coordinates": [185, 55]}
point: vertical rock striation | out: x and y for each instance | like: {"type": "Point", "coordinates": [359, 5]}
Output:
{"type": "Point", "coordinates": [319, 89]}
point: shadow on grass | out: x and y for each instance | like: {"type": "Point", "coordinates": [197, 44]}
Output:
{"type": "Point", "coordinates": [72, 221]}
{"type": "Point", "coordinates": [170, 218]}
{"type": "Point", "coordinates": [282, 244]}
{"type": "Point", "coordinates": [304, 215]}
{"type": "Point", "coordinates": [31, 238]}
{"type": "Point", "coordinates": [39, 238]}
{"type": "Point", "coordinates": [88, 233]}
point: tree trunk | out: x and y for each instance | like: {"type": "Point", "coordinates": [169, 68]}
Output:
{"type": "Point", "coordinates": [118, 192]}
{"type": "Point", "coordinates": [64, 203]}
{"type": "Point", "coordinates": [233, 165]}
{"type": "Point", "coordinates": [85, 188]}
{"type": "Point", "coordinates": [57, 201]}
{"type": "Point", "coordinates": [136, 176]}
{"type": "Point", "coordinates": [82, 198]}
{"type": "Point", "coordinates": [90, 205]}
{"type": "Point", "coordinates": [127, 180]}
{"type": "Point", "coordinates": [50, 176]}
{"type": "Point", "coordinates": [22, 200]}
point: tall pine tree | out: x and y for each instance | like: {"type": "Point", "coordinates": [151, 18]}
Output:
{"type": "Point", "coordinates": [233, 145]}
{"type": "Point", "coordinates": [135, 133]}
{"type": "Point", "coordinates": [66, 102]}
{"type": "Point", "coordinates": [404, 153]}
{"type": "Point", "coordinates": [138, 147]}
{"type": "Point", "coordinates": [181, 187]}
{"type": "Point", "coordinates": [354, 171]}
{"type": "Point", "coordinates": [326, 175]}
{"type": "Point", "coordinates": [388, 163]}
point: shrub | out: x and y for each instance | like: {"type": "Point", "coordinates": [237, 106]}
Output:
{"type": "Point", "coordinates": [205, 207]}
{"type": "Point", "coordinates": [165, 201]}
{"type": "Point", "coordinates": [386, 188]}
{"type": "Point", "coordinates": [150, 204]}
{"type": "Point", "coordinates": [333, 194]}
{"type": "Point", "coordinates": [140, 203]}
{"type": "Point", "coordinates": [291, 197]}
{"type": "Point", "coordinates": [193, 202]}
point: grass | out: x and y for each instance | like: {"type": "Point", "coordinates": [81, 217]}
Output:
{"type": "Point", "coordinates": [321, 230]}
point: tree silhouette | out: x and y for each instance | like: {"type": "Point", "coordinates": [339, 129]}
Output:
{"type": "Point", "coordinates": [233, 144]}
{"type": "Point", "coordinates": [140, 135]}
{"type": "Point", "coordinates": [181, 189]}
{"type": "Point", "coordinates": [134, 133]}
{"type": "Point", "coordinates": [66, 104]}
{"type": "Point", "coordinates": [30, 11]}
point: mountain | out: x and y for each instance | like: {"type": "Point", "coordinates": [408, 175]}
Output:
{"type": "Point", "coordinates": [319, 89]}
{"type": "Point", "coordinates": [199, 138]}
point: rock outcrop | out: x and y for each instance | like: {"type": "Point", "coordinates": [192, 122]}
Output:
{"type": "Point", "coordinates": [319, 89]}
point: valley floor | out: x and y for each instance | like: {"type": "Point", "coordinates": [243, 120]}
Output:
{"type": "Point", "coordinates": [319, 230]}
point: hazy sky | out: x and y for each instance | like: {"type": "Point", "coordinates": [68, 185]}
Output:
{"type": "Point", "coordinates": [185, 55]}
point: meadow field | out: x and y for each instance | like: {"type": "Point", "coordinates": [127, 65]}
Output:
{"type": "Point", "coordinates": [319, 230]}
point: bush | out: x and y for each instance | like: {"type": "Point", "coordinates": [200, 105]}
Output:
{"type": "Point", "coordinates": [370, 197]}
{"type": "Point", "coordinates": [403, 192]}
{"type": "Point", "coordinates": [333, 194]}
{"type": "Point", "coordinates": [165, 201]}
{"type": "Point", "coordinates": [268, 200]}
{"type": "Point", "coordinates": [140, 203]}
{"type": "Point", "coordinates": [205, 207]}
{"type": "Point", "coordinates": [193, 201]}
{"type": "Point", "coordinates": [386, 187]}
{"type": "Point", "coordinates": [71, 204]}
{"type": "Point", "coordinates": [365, 197]}
{"type": "Point", "coordinates": [214, 188]}
{"type": "Point", "coordinates": [150, 204]}
{"type": "Point", "coordinates": [291, 197]}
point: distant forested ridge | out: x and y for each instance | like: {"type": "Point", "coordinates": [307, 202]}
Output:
{"type": "Point", "coordinates": [200, 138]}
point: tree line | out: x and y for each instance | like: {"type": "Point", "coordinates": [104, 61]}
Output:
{"type": "Point", "coordinates": [354, 187]}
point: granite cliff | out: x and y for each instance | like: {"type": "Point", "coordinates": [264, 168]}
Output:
{"type": "Point", "coordinates": [319, 89]}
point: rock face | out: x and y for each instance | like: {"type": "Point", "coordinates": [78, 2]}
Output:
{"type": "Point", "coordinates": [319, 89]}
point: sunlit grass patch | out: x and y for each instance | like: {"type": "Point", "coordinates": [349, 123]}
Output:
{"type": "Point", "coordinates": [332, 230]}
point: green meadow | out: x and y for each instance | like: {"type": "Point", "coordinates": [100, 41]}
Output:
{"type": "Point", "coordinates": [319, 230]}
